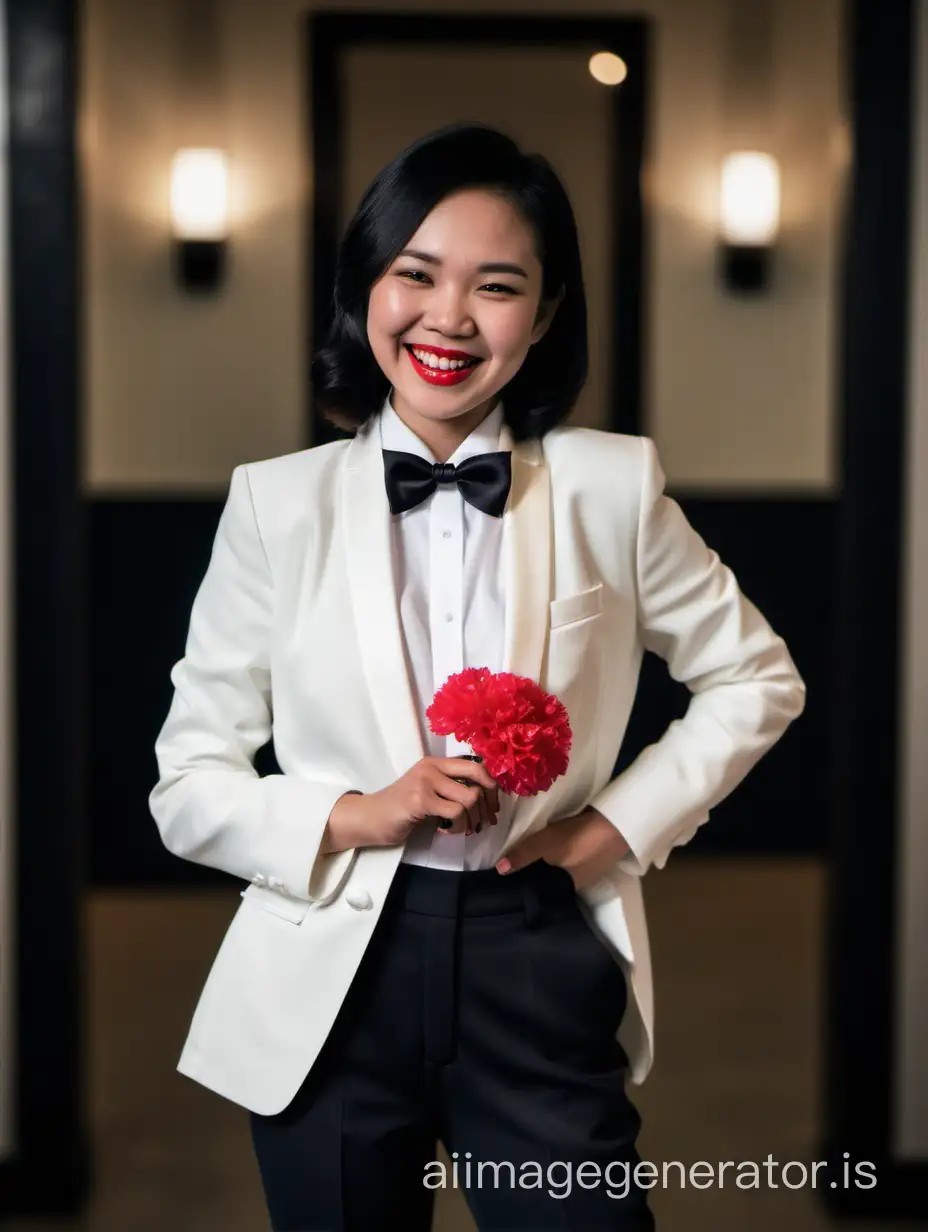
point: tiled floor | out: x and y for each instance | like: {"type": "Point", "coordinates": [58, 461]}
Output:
{"type": "Point", "coordinates": [737, 962]}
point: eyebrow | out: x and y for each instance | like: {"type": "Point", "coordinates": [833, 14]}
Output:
{"type": "Point", "coordinates": [489, 267]}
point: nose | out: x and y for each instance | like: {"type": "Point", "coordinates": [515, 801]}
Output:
{"type": "Point", "coordinates": [447, 313]}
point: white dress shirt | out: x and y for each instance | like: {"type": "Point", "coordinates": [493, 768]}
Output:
{"type": "Point", "coordinates": [450, 585]}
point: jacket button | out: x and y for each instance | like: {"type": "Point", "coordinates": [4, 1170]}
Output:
{"type": "Point", "coordinates": [359, 899]}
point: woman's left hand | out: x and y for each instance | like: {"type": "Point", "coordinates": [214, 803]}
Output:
{"type": "Point", "coordinates": [587, 845]}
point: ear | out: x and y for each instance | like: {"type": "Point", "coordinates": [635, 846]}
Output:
{"type": "Point", "coordinates": [544, 316]}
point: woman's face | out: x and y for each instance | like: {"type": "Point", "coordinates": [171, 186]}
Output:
{"type": "Point", "coordinates": [468, 282]}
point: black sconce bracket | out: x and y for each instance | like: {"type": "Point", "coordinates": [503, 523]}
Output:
{"type": "Point", "coordinates": [745, 268]}
{"type": "Point", "coordinates": [200, 265]}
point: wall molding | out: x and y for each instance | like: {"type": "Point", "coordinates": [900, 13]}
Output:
{"type": "Point", "coordinates": [50, 1170]}
{"type": "Point", "coordinates": [142, 588]}
{"type": "Point", "coordinates": [861, 1040]}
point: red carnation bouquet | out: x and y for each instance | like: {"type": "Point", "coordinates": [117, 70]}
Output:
{"type": "Point", "coordinates": [521, 733]}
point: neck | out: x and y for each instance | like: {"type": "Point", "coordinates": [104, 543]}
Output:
{"type": "Point", "coordinates": [442, 436]}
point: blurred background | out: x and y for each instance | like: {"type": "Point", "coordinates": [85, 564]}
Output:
{"type": "Point", "coordinates": [750, 179]}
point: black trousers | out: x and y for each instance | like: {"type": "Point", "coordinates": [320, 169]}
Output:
{"type": "Point", "coordinates": [483, 1014]}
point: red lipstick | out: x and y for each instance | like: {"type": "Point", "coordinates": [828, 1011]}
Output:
{"type": "Point", "coordinates": [442, 376]}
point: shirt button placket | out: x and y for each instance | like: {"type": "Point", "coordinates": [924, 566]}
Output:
{"type": "Point", "coordinates": [448, 648]}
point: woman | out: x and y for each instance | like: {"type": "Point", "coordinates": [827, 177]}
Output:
{"type": "Point", "coordinates": [419, 957]}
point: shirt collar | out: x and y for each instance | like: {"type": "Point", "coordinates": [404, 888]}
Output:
{"type": "Point", "coordinates": [395, 434]}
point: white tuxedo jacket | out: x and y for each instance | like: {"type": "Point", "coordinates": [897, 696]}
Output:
{"type": "Point", "coordinates": [295, 629]}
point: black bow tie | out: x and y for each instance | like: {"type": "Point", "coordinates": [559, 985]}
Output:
{"type": "Point", "coordinates": [483, 480]}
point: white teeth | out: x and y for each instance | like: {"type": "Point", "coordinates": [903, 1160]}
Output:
{"type": "Point", "coordinates": [441, 363]}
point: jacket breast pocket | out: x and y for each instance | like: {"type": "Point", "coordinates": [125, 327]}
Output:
{"type": "Point", "coordinates": [571, 609]}
{"type": "Point", "coordinates": [292, 909]}
{"type": "Point", "coordinates": [575, 657]}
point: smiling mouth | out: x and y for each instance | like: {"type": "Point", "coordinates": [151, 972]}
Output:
{"type": "Point", "coordinates": [435, 361]}
{"type": "Point", "coordinates": [429, 367]}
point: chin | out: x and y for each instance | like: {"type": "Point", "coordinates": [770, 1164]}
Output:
{"type": "Point", "coordinates": [439, 405]}
{"type": "Point", "coordinates": [441, 413]}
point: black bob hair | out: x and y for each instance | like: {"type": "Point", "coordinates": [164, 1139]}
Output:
{"type": "Point", "coordinates": [348, 384]}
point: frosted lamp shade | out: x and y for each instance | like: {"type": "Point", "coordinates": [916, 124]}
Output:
{"type": "Point", "coordinates": [750, 199]}
{"type": "Point", "coordinates": [199, 195]}
{"type": "Point", "coordinates": [607, 68]}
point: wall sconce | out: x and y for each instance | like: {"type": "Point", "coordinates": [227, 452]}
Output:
{"type": "Point", "coordinates": [199, 216]}
{"type": "Point", "coordinates": [607, 68]}
{"type": "Point", "coordinates": [749, 211]}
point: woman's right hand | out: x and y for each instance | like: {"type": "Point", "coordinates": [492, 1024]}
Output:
{"type": "Point", "coordinates": [428, 791]}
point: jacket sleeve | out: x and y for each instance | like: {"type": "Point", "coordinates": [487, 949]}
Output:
{"type": "Point", "coordinates": [209, 803]}
{"type": "Point", "coordinates": [745, 687]}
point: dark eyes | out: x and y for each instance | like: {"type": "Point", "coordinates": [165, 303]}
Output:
{"type": "Point", "coordinates": [415, 275]}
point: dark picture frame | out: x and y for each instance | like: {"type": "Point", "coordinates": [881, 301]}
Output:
{"type": "Point", "coordinates": [329, 34]}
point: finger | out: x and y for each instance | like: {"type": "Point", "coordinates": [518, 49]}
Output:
{"type": "Point", "coordinates": [474, 824]}
{"type": "Point", "coordinates": [476, 813]}
{"type": "Point", "coordinates": [493, 803]}
{"type": "Point", "coordinates": [462, 805]}
{"type": "Point", "coordinates": [492, 807]}
{"type": "Point", "coordinates": [457, 788]}
{"type": "Point", "coordinates": [474, 800]}
{"type": "Point", "coordinates": [461, 797]}
{"type": "Point", "coordinates": [443, 824]}
{"type": "Point", "coordinates": [482, 810]}
{"type": "Point", "coordinates": [489, 806]}
{"type": "Point", "coordinates": [451, 817]}
{"type": "Point", "coordinates": [461, 767]}
{"type": "Point", "coordinates": [526, 852]}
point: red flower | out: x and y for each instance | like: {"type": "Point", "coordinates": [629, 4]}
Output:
{"type": "Point", "coordinates": [521, 732]}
